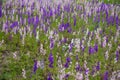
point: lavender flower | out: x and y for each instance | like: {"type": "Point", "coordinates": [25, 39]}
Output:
{"type": "Point", "coordinates": [51, 60]}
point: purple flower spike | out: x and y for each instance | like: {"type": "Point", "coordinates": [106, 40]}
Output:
{"type": "Point", "coordinates": [37, 19]}
{"type": "Point", "coordinates": [66, 65]}
{"type": "Point", "coordinates": [51, 43]}
{"type": "Point", "coordinates": [35, 66]}
{"type": "Point", "coordinates": [68, 59]}
{"type": "Point", "coordinates": [96, 47]}
{"type": "Point", "coordinates": [14, 24]}
{"type": "Point", "coordinates": [106, 75]}
{"type": "Point", "coordinates": [69, 30]}
{"type": "Point", "coordinates": [91, 50]}
{"type": "Point", "coordinates": [76, 57]}
{"type": "Point", "coordinates": [29, 20]}
{"type": "Point", "coordinates": [70, 47]}
{"type": "Point", "coordinates": [49, 77]}
{"type": "Point", "coordinates": [117, 55]}
{"type": "Point", "coordinates": [50, 12]}
{"type": "Point", "coordinates": [106, 14]}
{"type": "Point", "coordinates": [117, 20]}
{"type": "Point", "coordinates": [86, 71]}
{"type": "Point", "coordinates": [66, 76]}
{"type": "Point", "coordinates": [51, 60]}
{"type": "Point", "coordinates": [78, 67]}
{"type": "Point", "coordinates": [67, 62]}
{"type": "Point", "coordinates": [74, 20]}
{"type": "Point", "coordinates": [98, 66]}
{"type": "Point", "coordinates": [0, 11]}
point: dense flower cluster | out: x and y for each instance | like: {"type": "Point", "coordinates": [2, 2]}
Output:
{"type": "Point", "coordinates": [66, 39]}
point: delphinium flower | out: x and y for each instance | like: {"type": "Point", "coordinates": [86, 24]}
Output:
{"type": "Point", "coordinates": [93, 70]}
{"type": "Point", "coordinates": [14, 24]}
{"type": "Point", "coordinates": [51, 43]}
{"type": "Point", "coordinates": [35, 66]}
{"type": "Point", "coordinates": [66, 76]}
{"type": "Point", "coordinates": [77, 45]}
{"type": "Point", "coordinates": [71, 46]}
{"type": "Point", "coordinates": [110, 45]}
{"type": "Point", "coordinates": [106, 76]}
{"type": "Point", "coordinates": [116, 36]}
{"type": "Point", "coordinates": [91, 50]}
{"type": "Point", "coordinates": [86, 70]}
{"type": "Point", "coordinates": [69, 30]}
{"type": "Point", "coordinates": [87, 74]}
{"type": "Point", "coordinates": [74, 17]}
{"type": "Point", "coordinates": [79, 76]}
{"type": "Point", "coordinates": [110, 20]}
{"type": "Point", "coordinates": [96, 47]}
{"type": "Point", "coordinates": [77, 67]}
{"type": "Point", "coordinates": [98, 66]}
{"type": "Point", "coordinates": [0, 10]}
{"type": "Point", "coordinates": [4, 28]}
{"type": "Point", "coordinates": [104, 42]}
{"type": "Point", "coordinates": [117, 55]}
{"type": "Point", "coordinates": [68, 59]}
{"type": "Point", "coordinates": [82, 44]}
{"type": "Point", "coordinates": [49, 77]}
{"type": "Point", "coordinates": [61, 27]}
{"type": "Point", "coordinates": [117, 20]}
{"type": "Point", "coordinates": [51, 60]}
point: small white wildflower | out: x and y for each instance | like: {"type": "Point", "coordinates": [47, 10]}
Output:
{"type": "Point", "coordinates": [106, 55]}
{"type": "Point", "coordinates": [38, 64]}
{"type": "Point", "coordinates": [37, 36]}
{"type": "Point", "coordinates": [104, 42]}
{"type": "Point", "coordinates": [115, 60]}
{"type": "Point", "coordinates": [79, 76]}
{"type": "Point", "coordinates": [23, 73]}
{"type": "Point", "coordinates": [15, 55]}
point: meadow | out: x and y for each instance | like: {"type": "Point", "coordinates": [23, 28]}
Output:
{"type": "Point", "coordinates": [60, 40]}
